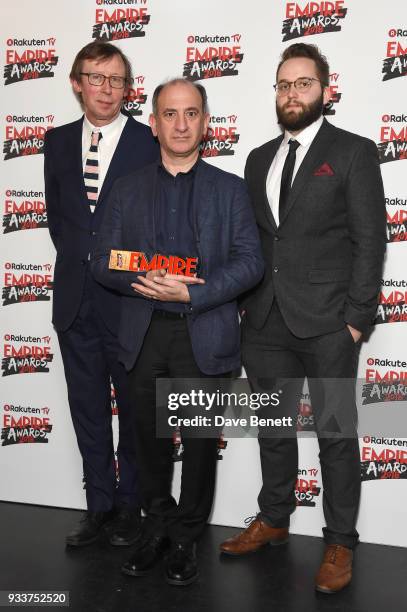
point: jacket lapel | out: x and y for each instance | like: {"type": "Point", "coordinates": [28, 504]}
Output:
{"type": "Point", "coordinates": [79, 187]}
{"type": "Point", "coordinates": [314, 158]}
{"type": "Point", "coordinates": [121, 153]}
{"type": "Point", "coordinates": [144, 218]}
{"type": "Point", "coordinates": [263, 173]}
{"type": "Point", "coordinates": [202, 197]}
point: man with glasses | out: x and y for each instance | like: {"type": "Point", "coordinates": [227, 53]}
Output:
{"type": "Point", "coordinates": [319, 203]}
{"type": "Point", "coordinates": [82, 160]}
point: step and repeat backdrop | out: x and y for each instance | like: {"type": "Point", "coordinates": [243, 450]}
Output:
{"type": "Point", "coordinates": [233, 49]}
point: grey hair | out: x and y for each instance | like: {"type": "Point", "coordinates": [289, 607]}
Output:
{"type": "Point", "coordinates": [200, 88]}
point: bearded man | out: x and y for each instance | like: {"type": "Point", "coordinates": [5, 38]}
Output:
{"type": "Point", "coordinates": [318, 199]}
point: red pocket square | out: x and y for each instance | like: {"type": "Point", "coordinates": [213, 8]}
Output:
{"type": "Point", "coordinates": [324, 170]}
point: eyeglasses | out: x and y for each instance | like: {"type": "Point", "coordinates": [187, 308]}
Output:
{"type": "Point", "coordinates": [117, 82]}
{"type": "Point", "coordinates": [302, 85]}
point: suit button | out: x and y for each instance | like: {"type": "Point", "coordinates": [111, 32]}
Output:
{"type": "Point", "coordinates": [275, 269]}
{"type": "Point", "coordinates": [93, 233]}
{"type": "Point", "coordinates": [276, 238]}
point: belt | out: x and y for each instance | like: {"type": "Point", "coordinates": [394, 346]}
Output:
{"type": "Point", "coordinates": [168, 314]}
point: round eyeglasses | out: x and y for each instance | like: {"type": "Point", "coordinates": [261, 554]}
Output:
{"type": "Point", "coordinates": [302, 85]}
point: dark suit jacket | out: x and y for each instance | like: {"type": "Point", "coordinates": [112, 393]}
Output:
{"type": "Point", "coordinates": [324, 261]}
{"type": "Point", "coordinates": [229, 254]}
{"type": "Point", "coordinates": [72, 226]}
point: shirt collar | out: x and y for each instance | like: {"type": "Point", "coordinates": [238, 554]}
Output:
{"type": "Point", "coordinates": [307, 135]}
{"type": "Point", "coordinates": [105, 129]}
{"type": "Point", "coordinates": [191, 171]}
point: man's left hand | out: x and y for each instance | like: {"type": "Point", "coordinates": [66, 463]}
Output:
{"type": "Point", "coordinates": [166, 289]}
{"type": "Point", "coordinates": [356, 334]}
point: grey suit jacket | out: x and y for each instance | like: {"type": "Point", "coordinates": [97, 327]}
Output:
{"type": "Point", "coordinates": [324, 261]}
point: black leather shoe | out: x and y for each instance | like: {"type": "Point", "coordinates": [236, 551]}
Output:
{"type": "Point", "coordinates": [146, 556]}
{"type": "Point", "coordinates": [125, 529]}
{"type": "Point", "coordinates": [89, 528]}
{"type": "Point", "coordinates": [181, 568]}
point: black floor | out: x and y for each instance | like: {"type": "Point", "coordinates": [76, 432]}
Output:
{"type": "Point", "coordinates": [279, 579]}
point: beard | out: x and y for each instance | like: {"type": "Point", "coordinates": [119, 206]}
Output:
{"type": "Point", "coordinates": [294, 121]}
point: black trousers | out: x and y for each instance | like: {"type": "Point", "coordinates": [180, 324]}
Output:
{"type": "Point", "coordinates": [167, 352]}
{"type": "Point", "coordinates": [89, 353]}
{"type": "Point", "coordinates": [275, 352]}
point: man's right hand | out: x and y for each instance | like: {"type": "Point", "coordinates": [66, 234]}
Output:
{"type": "Point", "coordinates": [158, 285]}
{"type": "Point", "coordinates": [187, 280]}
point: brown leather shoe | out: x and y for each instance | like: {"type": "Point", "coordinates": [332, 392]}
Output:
{"type": "Point", "coordinates": [257, 534]}
{"type": "Point", "coordinates": [335, 572]}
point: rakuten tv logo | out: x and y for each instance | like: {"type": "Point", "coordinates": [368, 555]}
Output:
{"type": "Point", "coordinates": [385, 463]}
{"type": "Point", "coordinates": [30, 62]}
{"type": "Point", "coordinates": [26, 283]}
{"type": "Point", "coordinates": [221, 137]}
{"type": "Point", "coordinates": [204, 60]}
{"type": "Point", "coordinates": [24, 210]}
{"type": "Point", "coordinates": [392, 306]}
{"type": "Point", "coordinates": [306, 487]}
{"type": "Point", "coordinates": [396, 219]}
{"type": "Point", "coordinates": [136, 98]}
{"type": "Point", "coordinates": [312, 18]}
{"type": "Point", "coordinates": [26, 354]}
{"type": "Point", "coordinates": [395, 63]}
{"type": "Point", "coordinates": [386, 380]}
{"type": "Point", "coordinates": [23, 135]}
{"type": "Point", "coordinates": [393, 140]}
{"type": "Point", "coordinates": [120, 23]}
{"type": "Point", "coordinates": [33, 426]}
{"type": "Point", "coordinates": [336, 95]}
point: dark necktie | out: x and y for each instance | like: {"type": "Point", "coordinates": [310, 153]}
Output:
{"type": "Point", "coordinates": [286, 176]}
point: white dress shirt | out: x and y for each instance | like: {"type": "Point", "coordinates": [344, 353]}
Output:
{"type": "Point", "coordinates": [107, 144]}
{"type": "Point", "coordinates": [305, 139]}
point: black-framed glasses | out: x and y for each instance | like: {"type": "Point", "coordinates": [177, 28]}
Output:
{"type": "Point", "coordinates": [117, 82]}
{"type": "Point", "coordinates": [302, 85]}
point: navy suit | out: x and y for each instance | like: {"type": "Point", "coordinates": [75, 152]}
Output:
{"type": "Point", "coordinates": [85, 314]}
{"type": "Point", "coordinates": [200, 342]}
{"type": "Point", "coordinates": [229, 254]}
